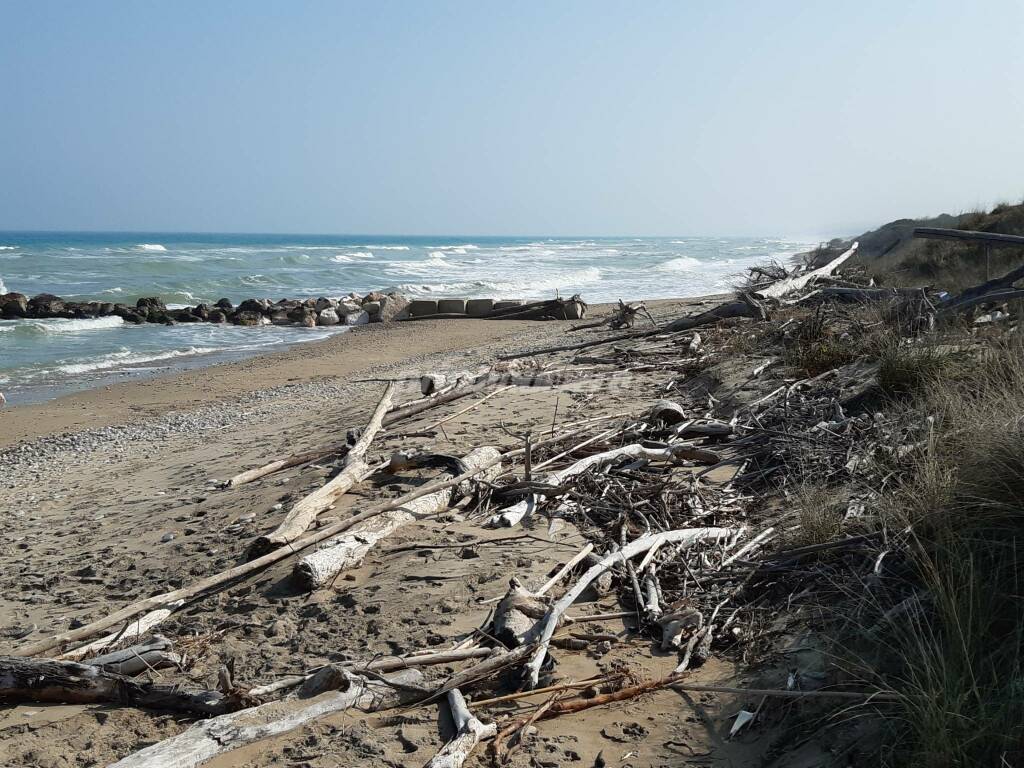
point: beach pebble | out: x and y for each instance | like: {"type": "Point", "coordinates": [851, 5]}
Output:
{"type": "Point", "coordinates": [166, 538]}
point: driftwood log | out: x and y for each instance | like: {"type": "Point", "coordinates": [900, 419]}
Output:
{"type": "Point", "coordinates": [68, 682]}
{"type": "Point", "coordinates": [321, 567]}
{"type": "Point", "coordinates": [354, 470]}
{"type": "Point", "coordinates": [153, 654]}
{"type": "Point", "coordinates": [793, 283]}
{"type": "Point", "coordinates": [469, 733]}
{"type": "Point", "coordinates": [231, 731]}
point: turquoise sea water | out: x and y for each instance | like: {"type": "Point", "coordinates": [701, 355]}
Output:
{"type": "Point", "coordinates": [41, 358]}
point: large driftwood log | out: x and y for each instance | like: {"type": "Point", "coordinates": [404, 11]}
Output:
{"type": "Point", "coordinates": [514, 514]}
{"type": "Point", "coordinates": [229, 732]}
{"type": "Point", "coordinates": [354, 470]}
{"type": "Point", "coordinates": [545, 627]}
{"type": "Point", "coordinates": [68, 682]}
{"type": "Point", "coordinates": [469, 733]}
{"type": "Point", "coordinates": [321, 567]}
{"type": "Point", "coordinates": [793, 283]}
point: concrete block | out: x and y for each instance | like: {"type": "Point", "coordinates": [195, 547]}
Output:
{"type": "Point", "coordinates": [450, 306]}
{"type": "Point", "coordinates": [421, 307]}
{"type": "Point", "coordinates": [479, 307]}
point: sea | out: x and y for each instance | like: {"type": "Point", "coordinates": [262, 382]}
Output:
{"type": "Point", "coordinates": [42, 359]}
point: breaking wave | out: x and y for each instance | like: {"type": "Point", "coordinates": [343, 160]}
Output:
{"type": "Point", "coordinates": [679, 264]}
{"type": "Point", "coordinates": [61, 325]}
{"type": "Point", "coordinates": [124, 357]}
{"type": "Point", "coordinates": [150, 247]}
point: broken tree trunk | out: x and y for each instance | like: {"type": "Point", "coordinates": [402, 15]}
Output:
{"type": "Point", "coordinates": [469, 733]}
{"type": "Point", "coordinates": [787, 285]}
{"type": "Point", "coordinates": [545, 628]}
{"type": "Point", "coordinates": [354, 470]}
{"type": "Point", "coordinates": [321, 567]}
{"type": "Point", "coordinates": [229, 732]}
{"type": "Point", "coordinates": [67, 682]}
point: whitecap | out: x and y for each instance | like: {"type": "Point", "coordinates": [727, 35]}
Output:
{"type": "Point", "coordinates": [388, 247]}
{"type": "Point", "coordinates": [342, 258]}
{"type": "Point", "coordinates": [3, 288]}
{"type": "Point", "coordinates": [679, 264]}
{"type": "Point", "coordinates": [150, 247]}
{"type": "Point", "coordinates": [125, 357]}
{"type": "Point", "coordinates": [61, 325]}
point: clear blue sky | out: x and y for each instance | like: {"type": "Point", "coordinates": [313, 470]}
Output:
{"type": "Point", "coordinates": [482, 117]}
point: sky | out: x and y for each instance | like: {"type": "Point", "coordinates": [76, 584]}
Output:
{"type": "Point", "coordinates": [478, 117]}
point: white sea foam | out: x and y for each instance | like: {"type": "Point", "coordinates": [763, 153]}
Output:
{"type": "Point", "coordinates": [388, 247]}
{"type": "Point", "coordinates": [150, 247]}
{"type": "Point", "coordinates": [61, 325]}
{"type": "Point", "coordinates": [342, 258]}
{"type": "Point", "coordinates": [125, 357]}
{"type": "Point", "coordinates": [8, 247]}
{"type": "Point", "coordinates": [3, 288]}
{"type": "Point", "coordinates": [679, 264]}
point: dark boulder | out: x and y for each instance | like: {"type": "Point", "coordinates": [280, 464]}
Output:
{"type": "Point", "coordinates": [129, 314]}
{"type": "Point", "coordinates": [224, 304]}
{"type": "Point", "coordinates": [202, 311]}
{"type": "Point", "coordinates": [218, 316]}
{"type": "Point", "coordinates": [183, 316]}
{"type": "Point", "coordinates": [254, 305]}
{"type": "Point", "coordinates": [245, 317]}
{"type": "Point", "coordinates": [13, 305]}
{"type": "Point", "coordinates": [46, 305]}
{"type": "Point", "coordinates": [151, 302]}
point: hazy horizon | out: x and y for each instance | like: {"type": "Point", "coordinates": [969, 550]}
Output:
{"type": "Point", "coordinates": [580, 119]}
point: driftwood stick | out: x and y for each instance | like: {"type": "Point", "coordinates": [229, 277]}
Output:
{"type": "Point", "coordinates": [467, 409]}
{"type": "Point", "coordinates": [581, 555]}
{"type": "Point", "coordinates": [134, 630]}
{"type": "Point", "coordinates": [68, 682]}
{"type": "Point", "coordinates": [354, 470]}
{"type": "Point", "coordinates": [545, 628]}
{"type": "Point", "coordinates": [229, 732]}
{"type": "Point", "coordinates": [323, 566]}
{"type": "Point", "coordinates": [276, 466]}
{"type": "Point", "coordinates": [405, 410]}
{"type": "Point", "coordinates": [470, 732]}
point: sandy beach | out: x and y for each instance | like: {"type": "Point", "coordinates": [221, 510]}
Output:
{"type": "Point", "coordinates": [112, 495]}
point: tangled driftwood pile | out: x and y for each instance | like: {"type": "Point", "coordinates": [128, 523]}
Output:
{"type": "Point", "coordinates": [663, 495]}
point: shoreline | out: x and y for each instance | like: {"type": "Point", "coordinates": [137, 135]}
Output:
{"type": "Point", "coordinates": [355, 353]}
